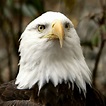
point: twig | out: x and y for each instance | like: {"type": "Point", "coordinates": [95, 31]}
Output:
{"type": "Point", "coordinates": [97, 61]}
{"type": "Point", "coordinates": [101, 22]}
{"type": "Point", "coordinates": [1, 81]}
{"type": "Point", "coordinates": [5, 36]}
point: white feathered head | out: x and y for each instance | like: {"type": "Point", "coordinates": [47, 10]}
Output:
{"type": "Point", "coordinates": [50, 51]}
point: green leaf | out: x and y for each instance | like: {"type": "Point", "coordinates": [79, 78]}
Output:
{"type": "Point", "coordinates": [95, 40]}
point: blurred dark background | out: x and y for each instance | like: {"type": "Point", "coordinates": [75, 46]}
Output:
{"type": "Point", "coordinates": [88, 17]}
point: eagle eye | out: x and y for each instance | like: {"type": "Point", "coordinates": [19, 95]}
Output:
{"type": "Point", "coordinates": [41, 28]}
{"type": "Point", "coordinates": [67, 25]}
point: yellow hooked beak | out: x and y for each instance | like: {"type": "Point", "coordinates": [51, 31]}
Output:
{"type": "Point", "coordinates": [57, 32]}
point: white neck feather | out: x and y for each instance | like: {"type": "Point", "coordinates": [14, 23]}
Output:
{"type": "Point", "coordinates": [47, 61]}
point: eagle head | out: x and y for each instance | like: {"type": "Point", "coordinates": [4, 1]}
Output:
{"type": "Point", "coordinates": [50, 51]}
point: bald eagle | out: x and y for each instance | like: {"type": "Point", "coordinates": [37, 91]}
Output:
{"type": "Point", "coordinates": [52, 68]}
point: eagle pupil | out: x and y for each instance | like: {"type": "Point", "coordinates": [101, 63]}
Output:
{"type": "Point", "coordinates": [41, 27]}
{"type": "Point", "coordinates": [67, 25]}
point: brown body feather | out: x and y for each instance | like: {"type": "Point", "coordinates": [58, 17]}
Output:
{"type": "Point", "coordinates": [62, 95]}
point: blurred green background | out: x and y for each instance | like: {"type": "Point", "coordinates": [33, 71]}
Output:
{"type": "Point", "coordinates": [88, 17]}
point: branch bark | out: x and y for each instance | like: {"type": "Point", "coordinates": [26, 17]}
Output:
{"type": "Point", "coordinates": [97, 62]}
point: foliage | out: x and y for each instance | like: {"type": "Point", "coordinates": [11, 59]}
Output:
{"type": "Point", "coordinates": [12, 15]}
